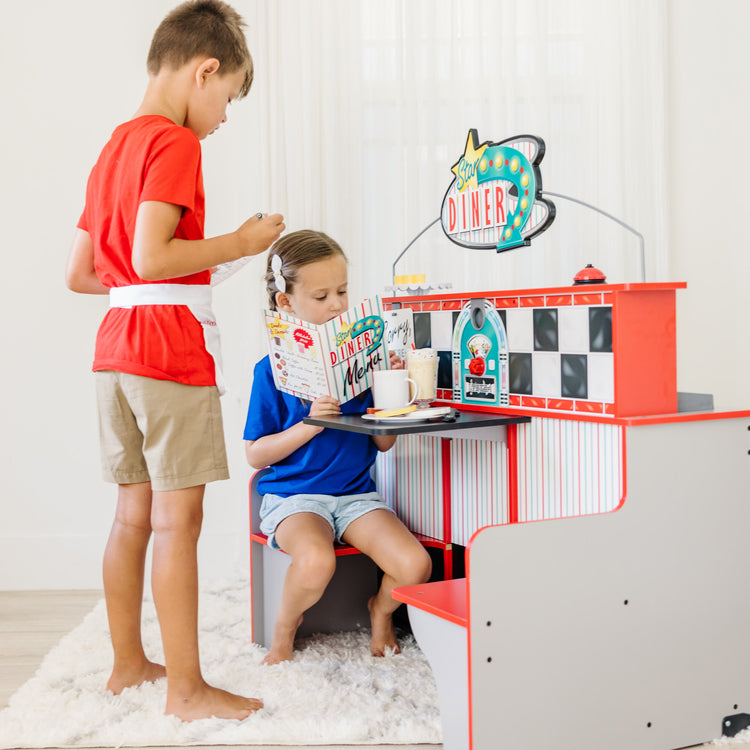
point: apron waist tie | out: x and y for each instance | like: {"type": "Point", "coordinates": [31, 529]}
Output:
{"type": "Point", "coordinates": [160, 294]}
{"type": "Point", "coordinates": [196, 297]}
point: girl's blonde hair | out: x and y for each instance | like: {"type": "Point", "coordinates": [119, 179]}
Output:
{"type": "Point", "coordinates": [296, 250]}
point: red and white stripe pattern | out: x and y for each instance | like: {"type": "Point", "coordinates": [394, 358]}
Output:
{"type": "Point", "coordinates": [565, 468]}
{"type": "Point", "coordinates": [569, 468]}
{"type": "Point", "coordinates": [479, 474]}
{"type": "Point", "coordinates": [409, 478]}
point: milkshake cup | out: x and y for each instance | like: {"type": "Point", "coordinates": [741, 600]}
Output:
{"type": "Point", "coordinates": [422, 365]}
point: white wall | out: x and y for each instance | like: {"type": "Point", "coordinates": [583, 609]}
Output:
{"type": "Point", "coordinates": [73, 71]}
{"type": "Point", "coordinates": [79, 71]}
{"type": "Point", "coordinates": [709, 160]}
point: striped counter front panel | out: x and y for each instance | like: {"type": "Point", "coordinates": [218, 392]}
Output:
{"type": "Point", "coordinates": [565, 468]}
{"type": "Point", "coordinates": [409, 478]}
{"type": "Point", "coordinates": [568, 468]}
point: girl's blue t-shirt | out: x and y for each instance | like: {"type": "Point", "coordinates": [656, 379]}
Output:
{"type": "Point", "coordinates": [334, 462]}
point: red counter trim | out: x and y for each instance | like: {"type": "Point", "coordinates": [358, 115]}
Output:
{"type": "Point", "coordinates": [586, 417]}
{"type": "Point", "coordinates": [558, 301]}
{"type": "Point", "coordinates": [430, 306]}
{"type": "Point", "coordinates": [504, 302]}
{"type": "Point", "coordinates": [559, 403]}
{"type": "Point", "coordinates": [587, 299]}
{"type": "Point", "coordinates": [531, 301]}
{"type": "Point", "coordinates": [454, 304]}
{"type": "Point", "coordinates": [533, 402]}
{"type": "Point", "coordinates": [416, 306]}
{"type": "Point", "coordinates": [517, 293]}
{"type": "Point", "coordinates": [590, 407]}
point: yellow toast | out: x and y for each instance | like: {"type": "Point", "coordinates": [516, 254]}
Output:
{"type": "Point", "coordinates": [395, 412]}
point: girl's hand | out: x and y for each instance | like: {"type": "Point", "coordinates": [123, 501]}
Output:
{"type": "Point", "coordinates": [270, 449]}
{"type": "Point", "coordinates": [325, 406]}
{"type": "Point", "coordinates": [395, 362]}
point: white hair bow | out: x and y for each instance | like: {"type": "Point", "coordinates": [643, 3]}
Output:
{"type": "Point", "coordinates": [278, 279]}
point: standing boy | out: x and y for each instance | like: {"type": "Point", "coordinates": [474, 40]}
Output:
{"type": "Point", "coordinates": [140, 239]}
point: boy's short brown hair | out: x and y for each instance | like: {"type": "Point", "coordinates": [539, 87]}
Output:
{"type": "Point", "coordinates": [207, 28]}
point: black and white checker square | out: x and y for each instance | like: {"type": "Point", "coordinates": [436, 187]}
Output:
{"type": "Point", "coordinates": [554, 352]}
{"type": "Point", "coordinates": [561, 352]}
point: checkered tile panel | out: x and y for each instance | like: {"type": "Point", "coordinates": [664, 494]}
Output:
{"type": "Point", "coordinates": [554, 352]}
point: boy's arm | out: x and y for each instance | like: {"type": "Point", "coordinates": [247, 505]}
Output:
{"type": "Point", "coordinates": [80, 275]}
{"type": "Point", "coordinates": [158, 255]}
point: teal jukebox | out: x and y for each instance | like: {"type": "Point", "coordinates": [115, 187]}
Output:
{"type": "Point", "coordinates": [480, 356]}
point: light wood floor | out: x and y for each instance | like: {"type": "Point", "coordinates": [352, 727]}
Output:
{"type": "Point", "coordinates": [31, 622]}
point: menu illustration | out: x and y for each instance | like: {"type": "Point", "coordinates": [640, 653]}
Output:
{"type": "Point", "coordinates": [336, 358]}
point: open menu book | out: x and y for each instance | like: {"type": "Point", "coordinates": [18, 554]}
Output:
{"type": "Point", "coordinates": [223, 271]}
{"type": "Point", "coordinates": [336, 358]}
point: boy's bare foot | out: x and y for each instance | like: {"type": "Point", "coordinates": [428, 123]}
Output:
{"type": "Point", "coordinates": [208, 701]}
{"type": "Point", "coordinates": [282, 645]}
{"type": "Point", "coordinates": [124, 677]}
{"type": "Point", "coordinates": [383, 633]}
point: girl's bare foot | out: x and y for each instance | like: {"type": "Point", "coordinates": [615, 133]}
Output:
{"type": "Point", "coordinates": [124, 677]}
{"type": "Point", "coordinates": [282, 645]}
{"type": "Point", "coordinates": [383, 635]}
{"type": "Point", "coordinates": [208, 701]}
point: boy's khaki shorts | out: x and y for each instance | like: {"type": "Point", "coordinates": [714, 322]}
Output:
{"type": "Point", "coordinates": [159, 431]}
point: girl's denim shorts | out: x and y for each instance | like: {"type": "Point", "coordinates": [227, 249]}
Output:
{"type": "Point", "coordinates": [339, 510]}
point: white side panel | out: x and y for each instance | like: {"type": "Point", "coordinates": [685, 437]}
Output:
{"type": "Point", "coordinates": [628, 629]}
{"type": "Point", "coordinates": [445, 645]}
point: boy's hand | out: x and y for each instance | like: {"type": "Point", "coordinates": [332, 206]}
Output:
{"type": "Point", "coordinates": [325, 406]}
{"type": "Point", "coordinates": [159, 255]}
{"type": "Point", "coordinates": [260, 232]}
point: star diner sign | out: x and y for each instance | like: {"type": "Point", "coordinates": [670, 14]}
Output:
{"type": "Point", "coordinates": [495, 198]}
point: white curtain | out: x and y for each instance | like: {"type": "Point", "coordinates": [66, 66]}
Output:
{"type": "Point", "coordinates": [364, 105]}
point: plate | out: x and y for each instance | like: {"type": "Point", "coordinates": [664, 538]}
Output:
{"type": "Point", "coordinates": [420, 415]}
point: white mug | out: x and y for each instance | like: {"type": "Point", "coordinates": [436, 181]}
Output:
{"type": "Point", "coordinates": [390, 389]}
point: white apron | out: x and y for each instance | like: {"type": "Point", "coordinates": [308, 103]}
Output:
{"type": "Point", "coordinates": [196, 297]}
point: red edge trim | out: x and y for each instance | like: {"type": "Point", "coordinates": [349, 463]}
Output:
{"type": "Point", "coordinates": [512, 436]}
{"type": "Point", "coordinates": [468, 648]}
{"type": "Point", "coordinates": [634, 420]}
{"type": "Point", "coordinates": [506, 293]}
{"type": "Point", "coordinates": [624, 471]}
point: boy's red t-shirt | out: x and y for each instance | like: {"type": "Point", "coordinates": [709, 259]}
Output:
{"type": "Point", "coordinates": [147, 159]}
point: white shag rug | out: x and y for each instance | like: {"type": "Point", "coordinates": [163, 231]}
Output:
{"type": "Point", "coordinates": [332, 693]}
